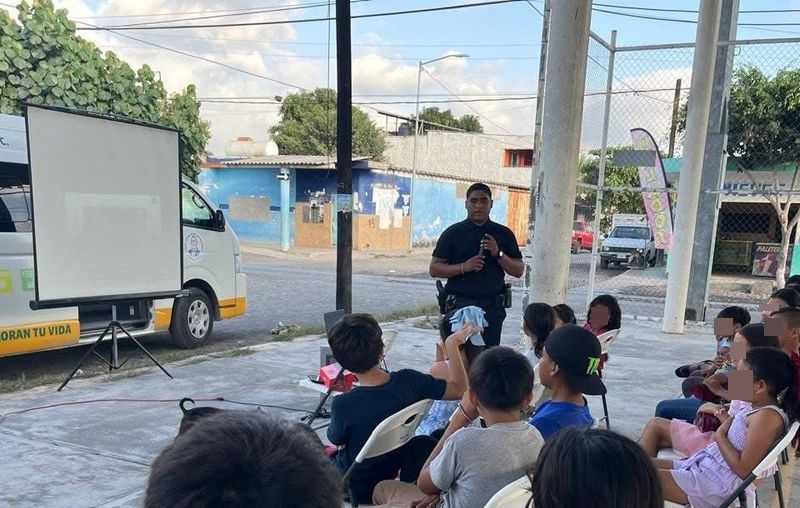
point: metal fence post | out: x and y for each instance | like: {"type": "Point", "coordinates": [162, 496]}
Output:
{"type": "Point", "coordinates": [601, 174]}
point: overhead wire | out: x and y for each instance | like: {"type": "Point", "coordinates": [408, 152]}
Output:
{"type": "Point", "coordinates": [480, 115]}
{"type": "Point", "coordinates": [309, 20]}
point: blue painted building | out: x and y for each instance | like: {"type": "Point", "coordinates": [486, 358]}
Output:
{"type": "Point", "coordinates": [249, 192]}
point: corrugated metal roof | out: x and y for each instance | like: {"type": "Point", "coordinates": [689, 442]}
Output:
{"type": "Point", "coordinates": [289, 160]}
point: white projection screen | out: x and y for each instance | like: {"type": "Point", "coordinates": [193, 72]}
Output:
{"type": "Point", "coordinates": [106, 208]}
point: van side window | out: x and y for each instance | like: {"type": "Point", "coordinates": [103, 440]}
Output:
{"type": "Point", "coordinates": [15, 215]}
{"type": "Point", "coordinates": [195, 210]}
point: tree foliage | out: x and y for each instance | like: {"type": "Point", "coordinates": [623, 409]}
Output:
{"type": "Point", "coordinates": [308, 127]}
{"type": "Point", "coordinates": [43, 61]}
{"type": "Point", "coordinates": [469, 123]}
{"type": "Point", "coordinates": [764, 133]}
{"type": "Point", "coordinates": [615, 176]}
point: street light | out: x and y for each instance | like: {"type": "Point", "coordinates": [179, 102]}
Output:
{"type": "Point", "coordinates": [416, 136]}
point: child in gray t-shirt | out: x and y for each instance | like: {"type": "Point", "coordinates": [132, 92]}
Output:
{"type": "Point", "coordinates": [470, 465]}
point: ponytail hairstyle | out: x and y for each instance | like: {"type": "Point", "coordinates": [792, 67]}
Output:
{"type": "Point", "coordinates": [777, 370]}
{"type": "Point", "coordinates": [539, 319]}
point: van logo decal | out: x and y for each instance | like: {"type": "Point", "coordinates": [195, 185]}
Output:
{"type": "Point", "coordinates": [5, 281]}
{"type": "Point", "coordinates": [194, 247]}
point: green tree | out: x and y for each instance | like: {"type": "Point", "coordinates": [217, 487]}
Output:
{"type": "Point", "coordinates": [434, 115]}
{"type": "Point", "coordinates": [764, 135]}
{"type": "Point", "coordinates": [308, 127]}
{"type": "Point", "coordinates": [43, 61]}
{"type": "Point", "coordinates": [615, 176]}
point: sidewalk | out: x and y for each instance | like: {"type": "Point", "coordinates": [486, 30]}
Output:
{"type": "Point", "coordinates": [98, 454]}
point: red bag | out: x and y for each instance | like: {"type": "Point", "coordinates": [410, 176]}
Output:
{"type": "Point", "coordinates": [329, 373]}
{"type": "Point", "coordinates": [707, 422]}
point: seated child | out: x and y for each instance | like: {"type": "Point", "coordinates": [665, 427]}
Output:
{"type": "Point", "coordinates": [728, 322]}
{"type": "Point", "coordinates": [564, 315]}
{"type": "Point", "coordinates": [708, 477]}
{"type": "Point", "coordinates": [357, 345]}
{"type": "Point", "coordinates": [240, 459]}
{"type": "Point", "coordinates": [439, 414]}
{"type": "Point", "coordinates": [605, 470]}
{"type": "Point", "coordinates": [569, 368]}
{"type": "Point", "coordinates": [470, 464]}
{"type": "Point", "coordinates": [538, 320]}
{"type": "Point", "coordinates": [604, 315]}
{"type": "Point", "coordinates": [685, 437]}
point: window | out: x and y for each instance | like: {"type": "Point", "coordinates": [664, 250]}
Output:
{"type": "Point", "coordinates": [518, 158]}
{"type": "Point", "coordinates": [15, 214]}
{"type": "Point", "coordinates": [195, 211]}
{"type": "Point", "coordinates": [630, 232]}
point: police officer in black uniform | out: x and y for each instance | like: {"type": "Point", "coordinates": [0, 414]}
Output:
{"type": "Point", "coordinates": [474, 256]}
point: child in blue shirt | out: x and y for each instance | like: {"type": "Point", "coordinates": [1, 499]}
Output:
{"type": "Point", "coordinates": [568, 367]}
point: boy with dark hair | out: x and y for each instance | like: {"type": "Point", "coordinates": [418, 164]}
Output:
{"type": "Point", "coordinates": [569, 368]}
{"type": "Point", "coordinates": [357, 345]}
{"type": "Point", "coordinates": [240, 459]}
{"type": "Point", "coordinates": [471, 464]}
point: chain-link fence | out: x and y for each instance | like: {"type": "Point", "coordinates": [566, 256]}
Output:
{"type": "Point", "coordinates": [754, 232]}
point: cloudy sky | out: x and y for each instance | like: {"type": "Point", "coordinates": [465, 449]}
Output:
{"type": "Point", "coordinates": [502, 42]}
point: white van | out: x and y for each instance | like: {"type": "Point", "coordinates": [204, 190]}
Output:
{"type": "Point", "coordinates": [212, 271]}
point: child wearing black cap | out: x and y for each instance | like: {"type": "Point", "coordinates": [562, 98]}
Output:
{"type": "Point", "coordinates": [569, 368]}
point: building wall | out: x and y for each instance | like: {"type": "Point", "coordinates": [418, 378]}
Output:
{"type": "Point", "coordinates": [471, 157]}
{"type": "Point", "coordinates": [251, 199]}
{"type": "Point", "coordinates": [310, 233]}
{"type": "Point", "coordinates": [440, 204]}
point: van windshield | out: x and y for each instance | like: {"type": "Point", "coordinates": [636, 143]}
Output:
{"type": "Point", "coordinates": [630, 232]}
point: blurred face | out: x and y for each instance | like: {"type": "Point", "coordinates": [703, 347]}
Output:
{"type": "Point", "coordinates": [600, 316]}
{"type": "Point", "coordinates": [478, 205]}
{"type": "Point", "coordinates": [771, 306]}
{"type": "Point", "coordinates": [724, 328]}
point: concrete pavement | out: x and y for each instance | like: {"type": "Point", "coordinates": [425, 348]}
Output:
{"type": "Point", "coordinates": [98, 453]}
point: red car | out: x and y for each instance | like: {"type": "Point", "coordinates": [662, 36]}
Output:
{"type": "Point", "coordinates": [582, 236]}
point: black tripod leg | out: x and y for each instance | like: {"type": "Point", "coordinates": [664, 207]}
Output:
{"type": "Point", "coordinates": [144, 350]}
{"type": "Point", "coordinates": [85, 356]}
{"type": "Point", "coordinates": [324, 399]}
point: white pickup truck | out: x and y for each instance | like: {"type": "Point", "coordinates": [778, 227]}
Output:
{"type": "Point", "coordinates": [630, 242]}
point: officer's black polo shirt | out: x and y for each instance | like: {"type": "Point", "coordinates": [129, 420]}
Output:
{"type": "Point", "coordinates": [462, 241]}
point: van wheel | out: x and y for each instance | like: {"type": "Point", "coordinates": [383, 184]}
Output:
{"type": "Point", "coordinates": [604, 264]}
{"type": "Point", "coordinates": [192, 320]}
{"type": "Point", "coordinates": [576, 247]}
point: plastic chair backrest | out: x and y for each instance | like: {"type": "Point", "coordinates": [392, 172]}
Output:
{"type": "Point", "coordinates": [606, 339]}
{"type": "Point", "coordinates": [514, 495]}
{"type": "Point", "coordinates": [770, 460]}
{"type": "Point", "coordinates": [394, 431]}
{"type": "Point", "coordinates": [389, 337]}
{"type": "Point", "coordinates": [772, 457]}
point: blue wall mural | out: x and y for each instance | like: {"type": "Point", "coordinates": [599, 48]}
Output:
{"type": "Point", "coordinates": [441, 204]}
{"type": "Point", "coordinates": [251, 199]}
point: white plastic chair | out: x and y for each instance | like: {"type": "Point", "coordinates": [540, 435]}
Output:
{"type": "Point", "coordinates": [771, 460]}
{"type": "Point", "coordinates": [389, 336]}
{"type": "Point", "coordinates": [389, 435]}
{"type": "Point", "coordinates": [605, 344]}
{"type": "Point", "coordinates": [514, 495]}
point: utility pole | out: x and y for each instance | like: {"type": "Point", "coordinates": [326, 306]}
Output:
{"type": "Point", "coordinates": [537, 148]}
{"type": "Point", "coordinates": [344, 160]}
{"type": "Point", "coordinates": [568, 44]}
{"type": "Point", "coordinates": [714, 162]}
{"type": "Point", "coordinates": [691, 170]}
{"type": "Point", "coordinates": [673, 128]}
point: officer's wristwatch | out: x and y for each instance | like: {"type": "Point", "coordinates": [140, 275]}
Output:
{"type": "Point", "coordinates": [500, 255]}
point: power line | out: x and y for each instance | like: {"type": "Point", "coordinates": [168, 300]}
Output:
{"type": "Point", "coordinates": [378, 45]}
{"type": "Point", "coordinates": [198, 57]}
{"type": "Point", "coordinates": [248, 13]}
{"type": "Point", "coordinates": [689, 11]}
{"type": "Point", "coordinates": [307, 20]}
{"type": "Point", "coordinates": [690, 21]}
{"type": "Point", "coordinates": [162, 14]}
